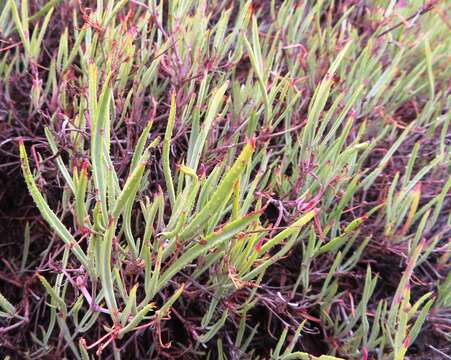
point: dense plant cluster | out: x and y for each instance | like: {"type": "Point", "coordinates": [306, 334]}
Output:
{"type": "Point", "coordinates": [224, 179]}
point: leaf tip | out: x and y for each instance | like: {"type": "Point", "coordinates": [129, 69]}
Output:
{"type": "Point", "coordinates": [85, 166]}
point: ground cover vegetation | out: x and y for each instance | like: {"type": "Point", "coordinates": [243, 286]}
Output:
{"type": "Point", "coordinates": [217, 179]}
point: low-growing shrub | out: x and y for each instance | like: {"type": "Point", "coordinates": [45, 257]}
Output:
{"type": "Point", "coordinates": [227, 180]}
